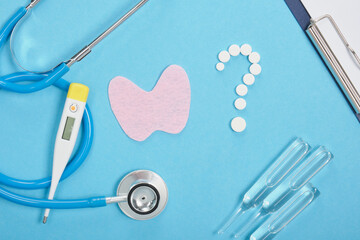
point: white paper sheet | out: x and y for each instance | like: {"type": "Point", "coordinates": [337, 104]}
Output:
{"type": "Point", "coordinates": [346, 14]}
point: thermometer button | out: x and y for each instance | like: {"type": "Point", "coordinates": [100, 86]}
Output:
{"type": "Point", "coordinates": [73, 107]}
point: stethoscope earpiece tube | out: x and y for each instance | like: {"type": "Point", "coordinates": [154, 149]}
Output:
{"type": "Point", "coordinates": [47, 80]}
{"type": "Point", "coordinates": [44, 82]}
{"type": "Point", "coordinates": [10, 24]}
{"type": "Point", "coordinates": [53, 204]}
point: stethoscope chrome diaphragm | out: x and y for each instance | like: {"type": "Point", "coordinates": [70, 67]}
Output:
{"type": "Point", "coordinates": [146, 194]}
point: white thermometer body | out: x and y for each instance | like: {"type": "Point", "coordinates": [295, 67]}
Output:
{"type": "Point", "coordinates": [67, 134]}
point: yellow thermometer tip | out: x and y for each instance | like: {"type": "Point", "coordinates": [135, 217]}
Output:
{"type": "Point", "coordinates": [78, 92]}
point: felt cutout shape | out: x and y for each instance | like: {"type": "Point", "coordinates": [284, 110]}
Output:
{"type": "Point", "coordinates": [165, 108]}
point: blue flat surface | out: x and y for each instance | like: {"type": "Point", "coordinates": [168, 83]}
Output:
{"type": "Point", "coordinates": [207, 166]}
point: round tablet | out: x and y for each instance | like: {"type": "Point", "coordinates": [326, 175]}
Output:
{"type": "Point", "coordinates": [249, 79]}
{"type": "Point", "coordinates": [246, 49]}
{"type": "Point", "coordinates": [254, 57]}
{"type": "Point", "coordinates": [220, 67]}
{"type": "Point", "coordinates": [234, 50]}
{"type": "Point", "coordinates": [238, 124]}
{"type": "Point", "coordinates": [240, 103]}
{"type": "Point", "coordinates": [255, 69]}
{"type": "Point", "coordinates": [224, 56]}
{"type": "Point", "coordinates": [241, 90]}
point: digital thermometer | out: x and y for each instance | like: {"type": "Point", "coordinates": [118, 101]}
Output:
{"type": "Point", "coordinates": [67, 134]}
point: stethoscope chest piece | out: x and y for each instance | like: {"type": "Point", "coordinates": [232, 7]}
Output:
{"type": "Point", "coordinates": [146, 194]}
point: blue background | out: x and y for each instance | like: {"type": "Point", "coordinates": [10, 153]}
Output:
{"type": "Point", "coordinates": [207, 166]}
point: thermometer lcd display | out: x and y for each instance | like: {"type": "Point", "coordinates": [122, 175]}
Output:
{"type": "Point", "coordinates": [68, 128]}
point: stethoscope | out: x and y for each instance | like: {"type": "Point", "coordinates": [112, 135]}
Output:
{"type": "Point", "coordinates": [140, 195]}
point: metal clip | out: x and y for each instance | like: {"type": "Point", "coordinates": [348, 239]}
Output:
{"type": "Point", "coordinates": [346, 43]}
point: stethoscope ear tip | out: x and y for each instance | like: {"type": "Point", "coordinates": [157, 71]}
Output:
{"type": "Point", "coordinates": [146, 194]}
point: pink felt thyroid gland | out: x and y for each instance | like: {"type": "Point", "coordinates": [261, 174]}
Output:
{"type": "Point", "coordinates": [165, 108]}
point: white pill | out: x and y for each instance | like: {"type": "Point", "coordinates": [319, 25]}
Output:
{"type": "Point", "coordinates": [254, 57]}
{"type": "Point", "coordinates": [238, 124]}
{"type": "Point", "coordinates": [255, 69]}
{"type": "Point", "coordinates": [241, 90]}
{"type": "Point", "coordinates": [246, 49]}
{"type": "Point", "coordinates": [249, 79]}
{"type": "Point", "coordinates": [240, 103]}
{"type": "Point", "coordinates": [220, 67]}
{"type": "Point", "coordinates": [234, 50]}
{"type": "Point", "coordinates": [224, 56]}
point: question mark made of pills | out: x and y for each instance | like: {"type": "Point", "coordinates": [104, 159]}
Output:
{"type": "Point", "coordinates": [238, 124]}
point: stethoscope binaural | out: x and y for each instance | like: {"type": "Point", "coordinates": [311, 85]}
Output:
{"type": "Point", "coordinates": [141, 194]}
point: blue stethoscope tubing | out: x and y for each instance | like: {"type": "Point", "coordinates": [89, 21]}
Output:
{"type": "Point", "coordinates": [42, 81]}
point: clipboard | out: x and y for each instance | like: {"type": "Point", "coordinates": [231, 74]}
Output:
{"type": "Point", "coordinates": [328, 47]}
